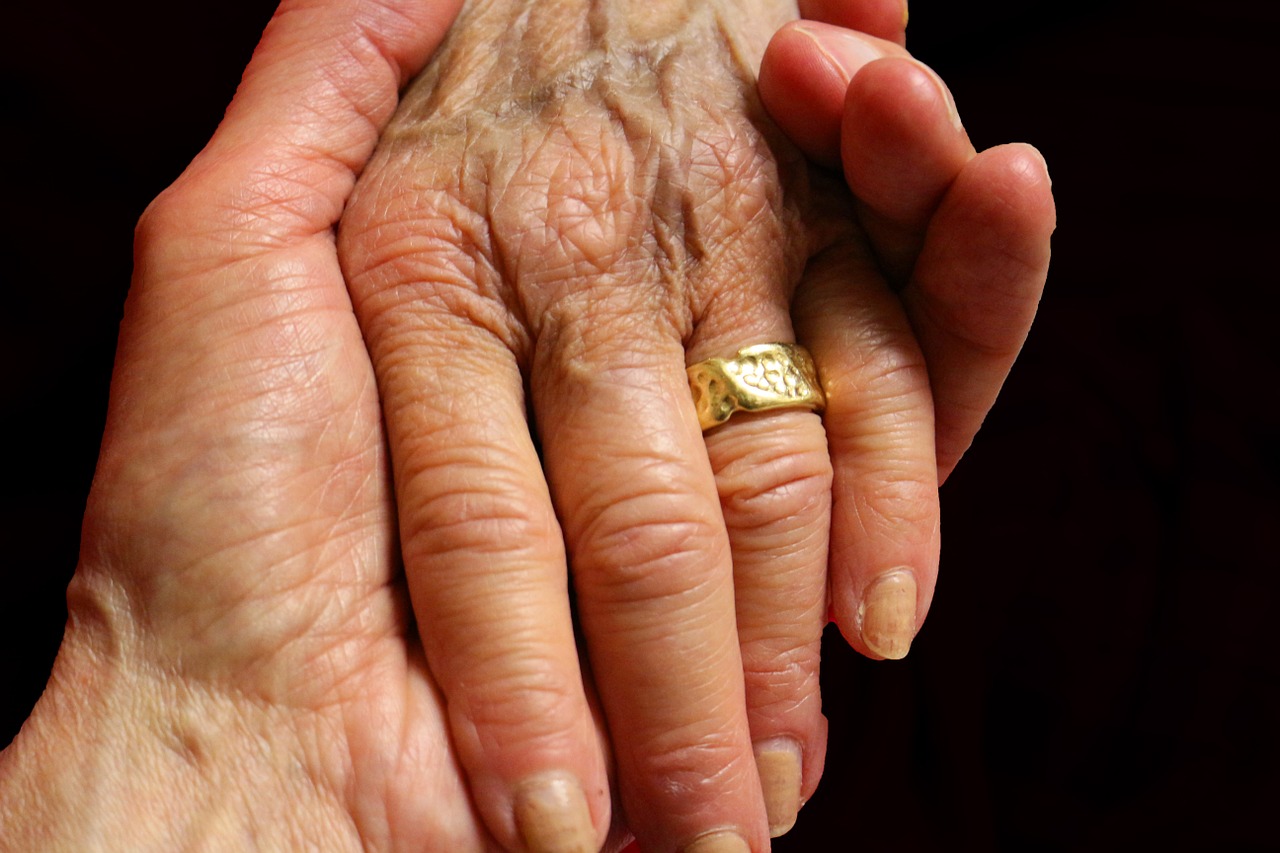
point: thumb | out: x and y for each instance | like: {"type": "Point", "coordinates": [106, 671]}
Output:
{"type": "Point", "coordinates": [238, 345]}
{"type": "Point", "coordinates": [321, 84]}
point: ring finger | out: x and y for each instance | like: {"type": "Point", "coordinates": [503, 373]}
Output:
{"type": "Point", "coordinates": [773, 475]}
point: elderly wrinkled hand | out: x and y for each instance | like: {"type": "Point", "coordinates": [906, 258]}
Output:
{"type": "Point", "coordinates": [575, 202]}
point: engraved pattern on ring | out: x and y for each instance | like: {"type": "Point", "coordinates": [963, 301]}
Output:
{"type": "Point", "coordinates": [758, 378]}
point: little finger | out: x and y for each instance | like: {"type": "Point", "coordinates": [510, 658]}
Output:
{"type": "Point", "coordinates": [879, 423]}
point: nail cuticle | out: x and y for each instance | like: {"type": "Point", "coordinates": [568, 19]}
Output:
{"type": "Point", "coordinates": [718, 841]}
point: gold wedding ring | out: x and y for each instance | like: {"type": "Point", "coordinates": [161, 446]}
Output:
{"type": "Point", "coordinates": [757, 379]}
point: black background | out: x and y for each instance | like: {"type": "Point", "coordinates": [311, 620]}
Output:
{"type": "Point", "coordinates": [1098, 670]}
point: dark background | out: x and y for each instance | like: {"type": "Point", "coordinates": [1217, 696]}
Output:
{"type": "Point", "coordinates": [1099, 669]}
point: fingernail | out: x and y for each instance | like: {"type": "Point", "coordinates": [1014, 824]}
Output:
{"type": "Point", "coordinates": [719, 842]}
{"type": "Point", "coordinates": [888, 614]}
{"type": "Point", "coordinates": [552, 816]}
{"type": "Point", "coordinates": [778, 761]}
{"type": "Point", "coordinates": [906, 14]}
{"type": "Point", "coordinates": [844, 52]}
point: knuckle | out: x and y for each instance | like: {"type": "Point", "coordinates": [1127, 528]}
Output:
{"type": "Point", "coordinates": [895, 496]}
{"type": "Point", "coordinates": [733, 185]}
{"type": "Point", "coordinates": [649, 545]}
{"type": "Point", "coordinates": [477, 515]}
{"type": "Point", "coordinates": [607, 354]}
{"type": "Point", "coordinates": [887, 366]}
{"type": "Point", "coordinates": [780, 673]}
{"type": "Point", "coordinates": [179, 214]}
{"type": "Point", "coordinates": [158, 220]}
{"type": "Point", "coordinates": [767, 482]}
{"type": "Point", "coordinates": [220, 211]}
{"type": "Point", "coordinates": [883, 399]}
{"type": "Point", "coordinates": [689, 760]}
{"type": "Point", "coordinates": [584, 215]}
{"type": "Point", "coordinates": [518, 696]}
{"type": "Point", "coordinates": [389, 216]}
{"type": "Point", "coordinates": [417, 260]}
{"type": "Point", "coordinates": [392, 234]}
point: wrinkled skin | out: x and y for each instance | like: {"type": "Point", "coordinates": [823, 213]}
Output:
{"type": "Point", "coordinates": [241, 668]}
{"type": "Point", "coordinates": [571, 204]}
{"type": "Point", "coordinates": [578, 198]}
{"type": "Point", "coordinates": [238, 671]}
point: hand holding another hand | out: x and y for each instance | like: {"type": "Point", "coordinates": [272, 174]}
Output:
{"type": "Point", "coordinates": [569, 208]}
{"type": "Point", "coordinates": [574, 203]}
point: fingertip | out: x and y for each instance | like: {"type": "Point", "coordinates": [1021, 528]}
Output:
{"type": "Point", "coordinates": [790, 769]}
{"type": "Point", "coordinates": [928, 77]}
{"type": "Point", "coordinates": [804, 77]}
{"type": "Point", "coordinates": [804, 93]}
{"type": "Point", "coordinates": [844, 51]}
{"type": "Point", "coordinates": [1027, 160]}
{"type": "Point", "coordinates": [977, 285]}
{"type": "Point", "coordinates": [817, 761]}
{"type": "Point", "coordinates": [552, 814]}
{"type": "Point", "coordinates": [879, 613]}
{"type": "Point", "coordinates": [780, 763]}
{"type": "Point", "coordinates": [902, 141]}
{"type": "Point", "coordinates": [724, 841]}
{"type": "Point", "coordinates": [886, 19]}
{"type": "Point", "coordinates": [905, 93]}
{"type": "Point", "coordinates": [1028, 177]}
{"type": "Point", "coordinates": [887, 614]}
{"type": "Point", "coordinates": [1007, 190]}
